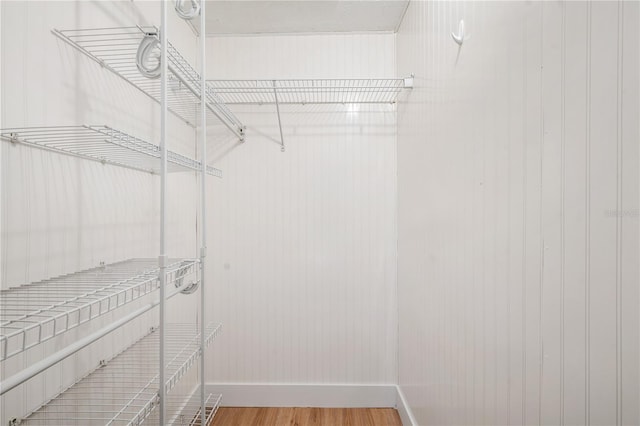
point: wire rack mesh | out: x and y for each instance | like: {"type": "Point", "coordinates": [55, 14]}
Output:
{"type": "Point", "coordinates": [186, 412]}
{"type": "Point", "coordinates": [125, 390]}
{"type": "Point", "coordinates": [103, 144]}
{"type": "Point", "coordinates": [116, 48]}
{"type": "Point", "coordinates": [34, 313]}
{"type": "Point", "coordinates": [319, 91]}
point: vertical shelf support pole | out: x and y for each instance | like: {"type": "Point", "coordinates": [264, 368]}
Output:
{"type": "Point", "coordinates": [275, 95]}
{"type": "Point", "coordinates": [203, 203]}
{"type": "Point", "coordinates": [162, 393]}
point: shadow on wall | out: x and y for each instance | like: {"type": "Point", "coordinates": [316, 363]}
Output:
{"type": "Point", "coordinates": [309, 122]}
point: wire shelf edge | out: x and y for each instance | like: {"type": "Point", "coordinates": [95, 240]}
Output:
{"type": "Point", "coordinates": [34, 313]}
{"type": "Point", "coordinates": [310, 91]}
{"type": "Point", "coordinates": [103, 144]}
{"type": "Point", "coordinates": [115, 49]}
{"type": "Point", "coordinates": [123, 390]}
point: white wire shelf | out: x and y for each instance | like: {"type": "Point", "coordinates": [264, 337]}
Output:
{"type": "Point", "coordinates": [125, 390]}
{"type": "Point", "coordinates": [181, 413]}
{"type": "Point", "coordinates": [318, 91]}
{"type": "Point", "coordinates": [103, 144]}
{"type": "Point", "coordinates": [34, 313]}
{"type": "Point", "coordinates": [116, 48]}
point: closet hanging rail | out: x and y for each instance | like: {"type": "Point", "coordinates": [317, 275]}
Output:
{"type": "Point", "coordinates": [124, 390]}
{"type": "Point", "coordinates": [310, 91]}
{"type": "Point", "coordinates": [34, 313]}
{"type": "Point", "coordinates": [102, 144]}
{"type": "Point", "coordinates": [116, 49]}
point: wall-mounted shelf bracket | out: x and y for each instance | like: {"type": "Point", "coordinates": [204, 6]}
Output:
{"type": "Point", "coordinates": [275, 95]}
{"type": "Point", "coordinates": [408, 82]}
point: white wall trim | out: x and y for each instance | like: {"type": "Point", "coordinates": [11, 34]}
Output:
{"type": "Point", "coordinates": [404, 410]}
{"type": "Point", "coordinates": [305, 395]}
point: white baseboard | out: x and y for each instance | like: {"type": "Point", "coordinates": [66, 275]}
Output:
{"type": "Point", "coordinates": [304, 395]}
{"type": "Point", "coordinates": [313, 395]}
{"type": "Point", "coordinates": [404, 410]}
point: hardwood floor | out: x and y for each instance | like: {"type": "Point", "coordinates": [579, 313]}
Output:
{"type": "Point", "coordinates": [298, 416]}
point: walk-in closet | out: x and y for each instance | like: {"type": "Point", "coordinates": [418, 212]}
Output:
{"type": "Point", "coordinates": [319, 212]}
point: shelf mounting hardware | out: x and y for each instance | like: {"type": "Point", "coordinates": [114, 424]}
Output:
{"type": "Point", "coordinates": [460, 37]}
{"type": "Point", "coordinates": [275, 95]}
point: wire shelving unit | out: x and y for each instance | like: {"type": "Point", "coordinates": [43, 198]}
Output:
{"type": "Point", "coordinates": [138, 385]}
{"type": "Point", "coordinates": [34, 313]}
{"type": "Point", "coordinates": [115, 49]}
{"type": "Point", "coordinates": [124, 390]}
{"type": "Point", "coordinates": [103, 144]}
{"type": "Point", "coordinates": [310, 91]}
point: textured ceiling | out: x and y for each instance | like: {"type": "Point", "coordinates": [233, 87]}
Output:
{"type": "Point", "coordinates": [302, 16]}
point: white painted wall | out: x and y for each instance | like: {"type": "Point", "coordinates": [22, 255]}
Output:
{"type": "Point", "coordinates": [50, 227]}
{"type": "Point", "coordinates": [302, 243]}
{"type": "Point", "coordinates": [517, 285]}
{"type": "Point", "coordinates": [61, 214]}
{"type": "Point", "coordinates": [518, 213]}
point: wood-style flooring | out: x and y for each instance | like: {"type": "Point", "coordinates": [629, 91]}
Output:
{"type": "Point", "coordinates": [298, 416]}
